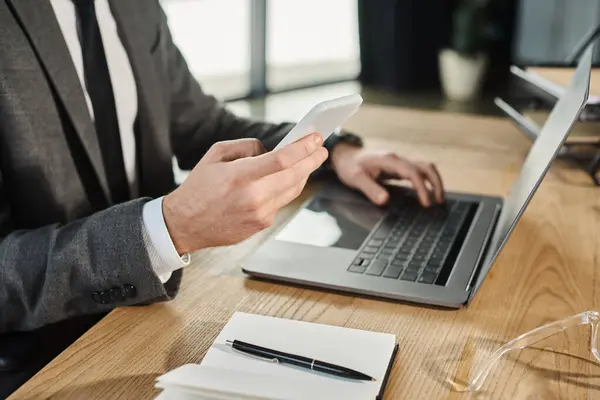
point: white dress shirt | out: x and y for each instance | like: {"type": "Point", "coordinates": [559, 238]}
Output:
{"type": "Point", "coordinates": [161, 250]}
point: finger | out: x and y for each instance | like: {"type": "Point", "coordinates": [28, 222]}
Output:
{"type": "Point", "coordinates": [282, 159]}
{"type": "Point", "coordinates": [370, 188]}
{"type": "Point", "coordinates": [276, 184]}
{"type": "Point", "coordinates": [287, 197]}
{"type": "Point", "coordinates": [435, 179]}
{"type": "Point", "coordinates": [230, 150]}
{"type": "Point", "coordinates": [404, 169]}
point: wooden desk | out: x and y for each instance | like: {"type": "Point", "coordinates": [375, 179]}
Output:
{"type": "Point", "coordinates": [562, 77]}
{"type": "Point", "coordinates": [548, 270]}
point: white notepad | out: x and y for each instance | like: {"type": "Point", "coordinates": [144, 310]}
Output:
{"type": "Point", "coordinates": [228, 374]}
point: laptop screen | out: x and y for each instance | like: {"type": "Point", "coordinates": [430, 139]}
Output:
{"type": "Point", "coordinates": [551, 138]}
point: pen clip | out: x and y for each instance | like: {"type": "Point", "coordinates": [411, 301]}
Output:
{"type": "Point", "coordinates": [273, 360]}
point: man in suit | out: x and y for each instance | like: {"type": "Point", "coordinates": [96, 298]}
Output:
{"type": "Point", "coordinates": [95, 100]}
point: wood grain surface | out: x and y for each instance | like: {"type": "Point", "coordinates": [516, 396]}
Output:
{"type": "Point", "coordinates": [562, 76]}
{"type": "Point", "coordinates": [548, 270]}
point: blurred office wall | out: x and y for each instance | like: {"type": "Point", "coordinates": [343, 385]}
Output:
{"type": "Point", "coordinates": [549, 30]}
{"type": "Point", "coordinates": [392, 44]}
{"type": "Point", "coordinates": [400, 40]}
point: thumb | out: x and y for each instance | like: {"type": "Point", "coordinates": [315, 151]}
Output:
{"type": "Point", "coordinates": [370, 188]}
{"type": "Point", "coordinates": [230, 150]}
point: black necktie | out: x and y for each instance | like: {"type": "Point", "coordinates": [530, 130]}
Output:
{"type": "Point", "coordinates": [99, 88]}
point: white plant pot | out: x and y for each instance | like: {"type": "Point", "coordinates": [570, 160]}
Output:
{"type": "Point", "coordinates": [461, 76]}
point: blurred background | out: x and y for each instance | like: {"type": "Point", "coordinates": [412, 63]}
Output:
{"type": "Point", "coordinates": [274, 58]}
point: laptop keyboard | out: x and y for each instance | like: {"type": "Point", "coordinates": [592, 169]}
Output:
{"type": "Point", "coordinates": [416, 244]}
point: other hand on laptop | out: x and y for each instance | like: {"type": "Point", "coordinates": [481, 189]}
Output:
{"type": "Point", "coordinates": [363, 169]}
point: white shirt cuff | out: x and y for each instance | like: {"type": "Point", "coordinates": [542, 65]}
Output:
{"type": "Point", "coordinates": [161, 250]}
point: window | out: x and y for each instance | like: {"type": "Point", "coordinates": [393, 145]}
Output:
{"type": "Point", "coordinates": [213, 36]}
{"type": "Point", "coordinates": [307, 42]}
{"type": "Point", "coordinates": [311, 41]}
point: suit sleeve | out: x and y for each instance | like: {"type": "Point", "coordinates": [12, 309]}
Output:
{"type": "Point", "coordinates": [88, 266]}
{"type": "Point", "coordinates": [198, 120]}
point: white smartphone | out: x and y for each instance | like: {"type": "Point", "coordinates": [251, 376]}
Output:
{"type": "Point", "coordinates": [324, 118]}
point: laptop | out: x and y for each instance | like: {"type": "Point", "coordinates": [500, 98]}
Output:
{"type": "Point", "coordinates": [438, 256]}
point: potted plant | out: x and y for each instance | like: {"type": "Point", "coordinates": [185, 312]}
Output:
{"type": "Point", "coordinates": [463, 65]}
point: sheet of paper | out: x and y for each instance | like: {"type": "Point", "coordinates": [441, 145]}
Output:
{"type": "Point", "coordinates": [225, 370]}
{"type": "Point", "coordinates": [177, 394]}
{"type": "Point", "coordinates": [225, 383]}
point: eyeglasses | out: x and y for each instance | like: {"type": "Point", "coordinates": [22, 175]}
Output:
{"type": "Point", "coordinates": [591, 318]}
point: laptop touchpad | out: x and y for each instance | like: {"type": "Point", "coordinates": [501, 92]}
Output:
{"type": "Point", "coordinates": [331, 223]}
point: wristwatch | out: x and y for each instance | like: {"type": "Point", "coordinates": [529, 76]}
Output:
{"type": "Point", "coordinates": [340, 137]}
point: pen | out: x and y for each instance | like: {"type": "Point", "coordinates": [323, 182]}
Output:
{"type": "Point", "coordinates": [299, 361]}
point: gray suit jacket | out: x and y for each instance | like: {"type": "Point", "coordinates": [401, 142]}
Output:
{"type": "Point", "coordinates": [62, 243]}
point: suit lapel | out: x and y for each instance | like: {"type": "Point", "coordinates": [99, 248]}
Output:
{"type": "Point", "coordinates": [45, 35]}
{"type": "Point", "coordinates": [154, 156]}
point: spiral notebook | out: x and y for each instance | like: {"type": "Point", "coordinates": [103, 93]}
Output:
{"type": "Point", "coordinates": [227, 374]}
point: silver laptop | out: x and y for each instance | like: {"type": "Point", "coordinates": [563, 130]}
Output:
{"type": "Point", "coordinates": [439, 256]}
